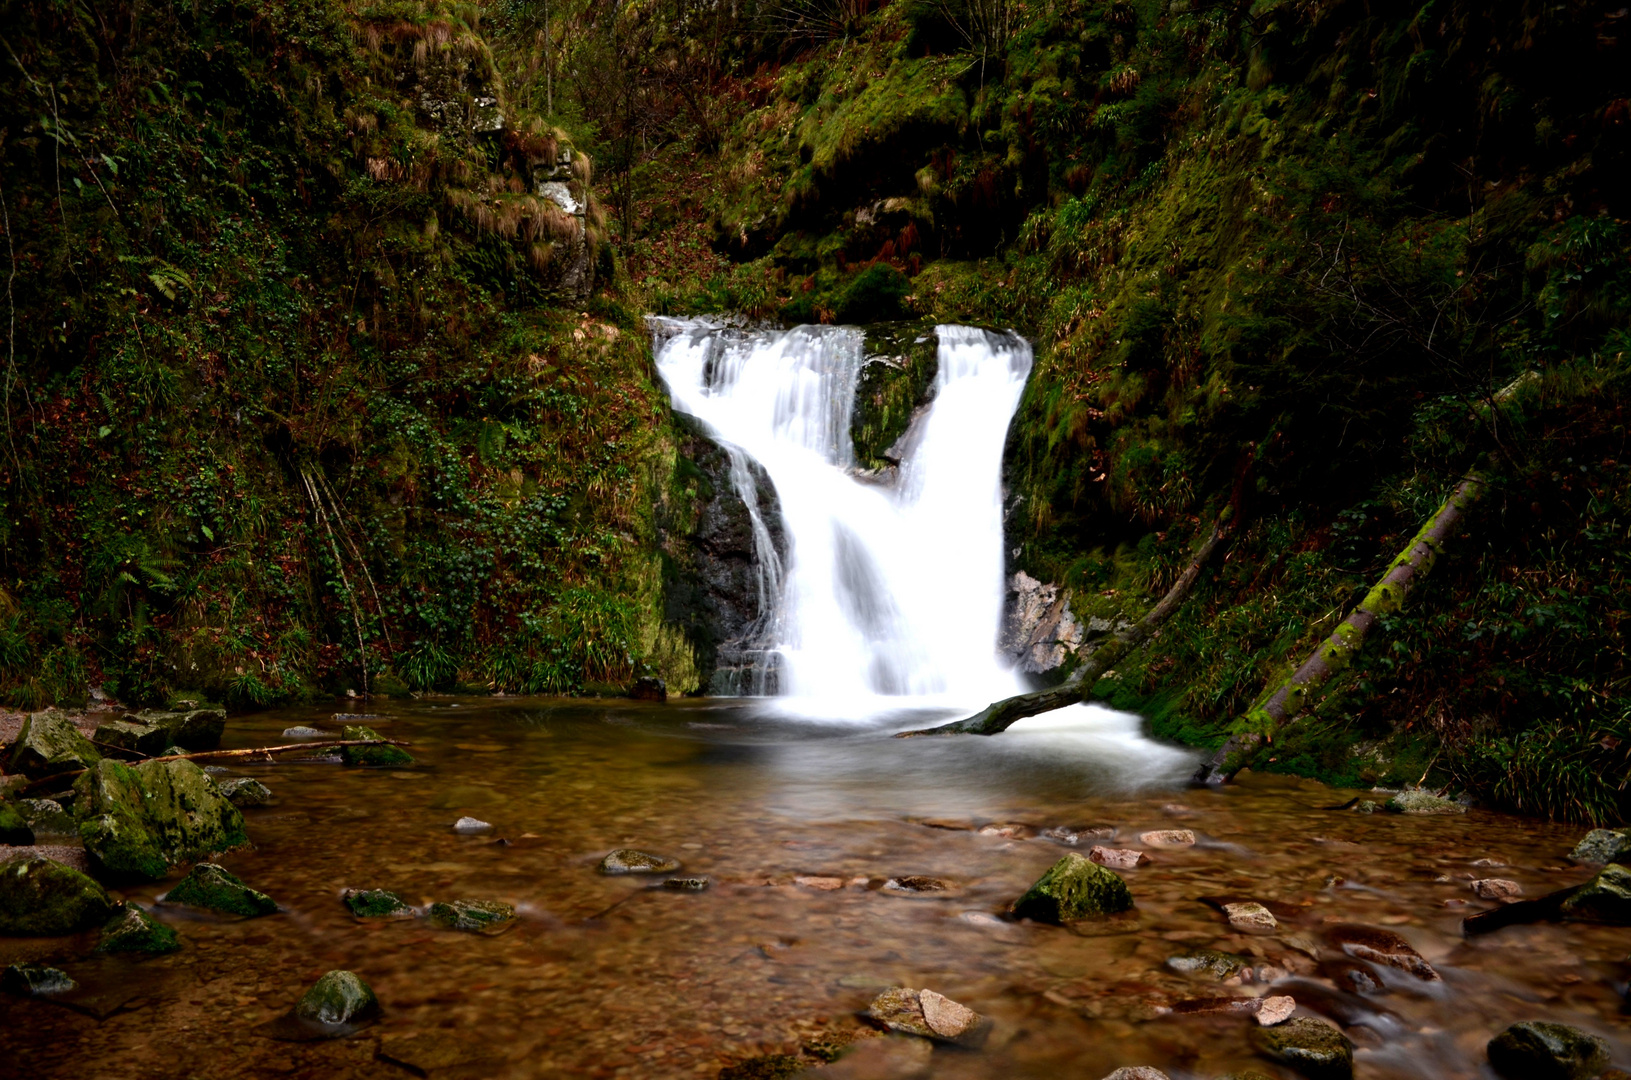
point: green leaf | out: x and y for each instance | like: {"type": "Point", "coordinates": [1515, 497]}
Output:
{"type": "Point", "coordinates": [205, 529]}
{"type": "Point", "coordinates": [103, 432]}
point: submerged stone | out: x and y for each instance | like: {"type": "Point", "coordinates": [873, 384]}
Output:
{"type": "Point", "coordinates": [1074, 888]}
{"type": "Point", "coordinates": [190, 729]}
{"type": "Point", "coordinates": [686, 884]}
{"type": "Point", "coordinates": [48, 745]}
{"type": "Point", "coordinates": [1172, 838]}
{"type": "Point", "coordinates": [1118, 858]}
{"type": "Point", "coordinates": [35, 980]}
{"type": "Point", "coordinates": [1380, 946]}
{"type": "Point", "coordinates": [245, 791]}
{"type": "Point", "coordinates": [630, 861]}
{"type": "Point", "coordinates": [1606, 898]}
{"type": "Point", "coordinates": [914, 884]}
{"type": "Point", "coordinates": [1313, 1047]}
{"type": "Point", "coordinates": [215, 888]}
{"type": "Point", "coordinates": [339, 997]}
{"type": "Point", "coordinates": [1420, 801]}
{"type": "Point", "coordinates": [381, 756]}
{"type": "Point", "coordinates": [131, 740]}
{"type": "Point", "coordinates": [301, 731]}
{"type": "Point", "coordinates": [1533, 1050]}
{"type": "Point", "coordinates": [1208, 963]}
{"type": "Point", "coordinates": [133, 930]}
{"type": "Point", "coordinates": [473, 916]}
{"type": "Point", "coordinates": [1602, 846]}
{"type": "Point", "coordinates": [139, 820]}
{"type": "Point", "coordinates": [43, 898]}
{"type": "Point", "coordinates": [376, 904]}
{"type": "Point", "coordinates": [765, 1067]}
{"type": "Point", "coordinates": [14, 829]}
{"type": "Point", "coordinates": [929, 1015]}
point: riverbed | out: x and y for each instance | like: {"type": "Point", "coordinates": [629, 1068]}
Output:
{"type": "Point", "coordinates": [606, 976]}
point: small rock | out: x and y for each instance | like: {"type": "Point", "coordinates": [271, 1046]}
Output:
{"type": "Point", "coordinates": [945, 1017]}
{"type": "Point", "coordinates": [1534, 1050]}
{"type": "Point", "coordinates": [914, 884]}
{"type": "Point", "coordinates": [1208, 963]}
{"type": "Point", "coordinates": [1118, 858]}
{"type": "Point", "coordinates": [1276, 1009]}
{"type": "Point", "coordinates": [1379, 946]}
{"type": "Point", "coordinates": [1138, 1072]}
{"type": "Point", "coordinates": [48, 745]}
{"type": "Point", "coordinates": [216, 888]}
{"type": "Point", "coordinates": [630, 861]}
{"type": "Point", "coordinates": [1170, 838]}
{"type": "Point", "coordinates": [1366, 806]}
{"type": "Point", "coordinates": [382, 756]}
{"type": "Point", "coordinates": [473, 916]}
{"type": "Point", "coordinates": [469, 826]}
{"type": "Point", "coordinates": [192, 729]}
{"type": "Point", "coordinates": [245, 791]}
{"type": "Point", "coordinates": [133, 930]}
{"type": "Point", "coordinates": [1488, 864]}
{"type": "Point", "coordinates": [1313, 1047]}
{"type": "Point", "coordinates": [1218, 1006]}
{"type": "Point", "coordinates": [1421, 801]}
{"type": "Point", "coordinates": [339, 997]}
{"type": "Point", "coordinates": [1497, 888]}
{"type": "Point", "coordinates": [376, 904]}
{"type": "Point", "coordinates": [1060, 834]}
{"type": "Point", "coordinates": [303, 732]}
{"type": "Point", "coordinates": [648, 688]}
{"type": "Point", "coordinates": [685, 884]}
{"type": "Point", "coordinates": [890, 1057]}
{"type": "Point", "coordinates": [1250, 916]}
{"type": "Point", "coordinates": [905, 1010]}
{"type": "Point", "coordinates": [821, 884]}
{"type": "Point", "coordinates": [35, 980]}
{"type": "Point", "coordinates": [131, 740]}
{"type": "Point", "coordinates": [1602, 846]}
{"type": "Point", "coordinates": [42, 898]}
{"type": "Point", "coordinates": [1074, 888]}
{"type": "Point", "coordinates": [1007, 832]}
{"type": "Point", "coordinates": [1606, 898]}
{"type": "Point", "coordinates": [1349, 974]}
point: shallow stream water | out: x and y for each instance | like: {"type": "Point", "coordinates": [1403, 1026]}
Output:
{"type": "Point", "coordinates": [603, 976]}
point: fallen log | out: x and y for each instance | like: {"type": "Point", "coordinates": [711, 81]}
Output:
{"type": "Point", "coordinates": [258, 751]}
{"type": "Point", "coordinates": [1000, 715]}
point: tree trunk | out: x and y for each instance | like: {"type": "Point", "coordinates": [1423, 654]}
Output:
{"type": "Point", "coordinates": [1000, 715]}
{"type": "Point", "coordinates": [1336, 653]}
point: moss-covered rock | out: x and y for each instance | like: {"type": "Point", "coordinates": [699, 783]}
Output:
{"type": "Point", "coordinates": [634, 861]}
{"type": "Point", "coordinates": [139, 820]}
{"type": "Point", "coordinates": [43, 898]}
{"type": "Point", "coordinates": [130, 739]}
{"type": "Point", "coordinates": [49, 744]}
{"type": "Point", "coordinates": [1422, 802]}
{"type": "Point", "coordinates": [1074, 888]}
{"type": "Point", "coordinates": [217, 889]}
{"type": "Point", "coordinates": [378, 756]}
{"type": "Point", "coordinates": [132, 930]}
{"type": "Point", "coordinates": [1606, 898]}
{"type": "Point", "coordinates": [1602, 846]}
{"type": "Point", "coordinates": [896, 380]}
{"type": "Point", "coordinates": [473, 916]}
{"type": "Point", "coordinates": [191, 729]}
{"type": "Point", "coordinates": [376, 904]}
{"type": "Point", "coordinates": [35, 980]}
{"type": "Point", "coordinates": [14, 828]}
{"type": "Point", "coordinates": [1313, 1047]}
{"type": "Point", "coordinates": [242, 791]}
{"type": "Point", "coordinates": [339, 997]}
{"type": "Point", "coordinates": [1533, 1050]}
{"type": "Point", "coordinates": [46, 817]}
{"type": "Point", "coordinates": [1208, 964]}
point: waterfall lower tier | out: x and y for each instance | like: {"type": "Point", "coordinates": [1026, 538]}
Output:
{"type": "Point", "coordinates": [892, 585]}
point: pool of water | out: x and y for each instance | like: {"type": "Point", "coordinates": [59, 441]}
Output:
{"type": "Point", "coordinates": [603, 976]}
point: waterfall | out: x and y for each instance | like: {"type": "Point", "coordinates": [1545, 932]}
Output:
{"type": "Point", "coordinates": [892, 588]}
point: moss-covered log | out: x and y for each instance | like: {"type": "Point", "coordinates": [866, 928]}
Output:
{"type": "Point", "coordinates": [1336, 653]}
{"type": "Point", "coordinates": [999, 716]}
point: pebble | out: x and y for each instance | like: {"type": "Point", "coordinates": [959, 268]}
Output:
{"type": "Point", "coordinates": [1497, 889]}
{"type": "Point", "coordinates": [469, 826]}
{"type": "Point", "coordinates": [1118, 858]}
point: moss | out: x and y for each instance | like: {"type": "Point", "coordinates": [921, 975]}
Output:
{"type": "Point", "coordinates": [132, 930]}
{"type": "Point", "coordinates": [43, 898]}
{"type": "Point", "coordinates": [473, 916]}
{"type": "Point", "coordinates": [339, 997]}
{"type": "Point", "coordinates": [215, 888]}
{"type": "Point", "coordinates": [374, 756]}
{"type": "Point", "coordinates": [376, 904]}
{"type": "Point", "coordinates": [136, 821]}
{"type": "Point", "coordinates": [1074, 888]}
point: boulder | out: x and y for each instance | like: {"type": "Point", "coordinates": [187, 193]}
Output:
{"type": "Point", "coordinates": [630, 861]}
{"type": "Point", "coordinates": [49, 744]}
{"type": "Point", "coordinates": [376, 904]}
{"type": "Point", "coordinates": [139, 820]}
{"type": "Point", "coordinates": [190, 729]}
{"type": "Point", "coordinates": [1119, 858]}
{"type": "Point", "coordinates": [1313, 1047]}
{"type": "Point", "coordinates": [215, 888]}
{"type": "Point", "coordinates": [339, 997]}
{"type": "Point", "coordinates": [35, 980]}
{"type": "Point", "coordinates": [130, 740]}
{"type": "Point", "coordinates": [473, 916]}
{"type": "Point", "coordinates": [382, 756]}
{"type": "Point", "coordinates": [1606, 898]}
{"type": "Point", "coordinates": [1421, 801]}
{"type": "Point", "coordinates": [132, 930]}
{"type": "Point", "coordinates": [1534, 1050]}
{"type": "Point", "coordinates": [42, 898]}
{"type": "Point", "coordinates": [1378, 946]}
{"type": "Point", "coordinates": [1603, 846]}
{"type": "Point", "coordinates": [46, 817]}
{"type": "Point", "coordinates": [1208, 963]}
{"type": "Point", "coordinates": [1074, 888]}
{"type": "Point", "coordinates": [242, 791]}
{"type": "Point", "coordinates": [14, 828]}
{"type": "Point", "coordinates": [928, 1014]}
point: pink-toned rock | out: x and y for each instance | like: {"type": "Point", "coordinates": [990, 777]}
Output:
{"type": "Point", "coordinates": [825, 884]}
{"type": "Point", "coordinates": [1497, 888]}
{"type": "Point", "coordinates": [1275, 1010]}
{"type": "Point", "coordinates": [1174, 838]}
{"type": "Point", "coordinates": [1250, 915]}
{"type": "Point", "coordinates": [1118, 858]}
{"type": "Point", "coordinates": [945, 1017]}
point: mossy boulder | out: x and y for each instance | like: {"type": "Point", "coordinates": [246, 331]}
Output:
{"type": "Point", "coordinates": [46, 817]}
{"type": "Point", "coordinates": [1534, 1050]}
{"type": "Point", "coordinates": [139, 820]}
{"type": "Point", "coordinates": [35, 980]}
{"type": "Point", "coordinates": [49, 744]}
{"type": "Point", "coordinates": [131, 740]}
{"type": "Point", "coordinates": [376, 904]}
{"type": "Point", "coordinates": [43, 898]}
{"type": "Point", "coordinates": [14, 828]}
{"type": "Point", "coordinates": [1313, 1047]}
{"type": "Point", "coordinates": [473, 916]}
{"type": "Point", "coordinates": [190, 729]}
{"type": "Point", "coordinates": [1603, 846]}
{"type": "Point", "coordinates": [217, 889]}
{"type": "Point", "coordinates": [1422, 802]}
{"type": "Point", "coordinates": [339, 997]}
{"type": "Point", "coordinates": [132, 930]}
{"type": "Point", "coordinates": [1074, 888]}
{"type": "Point", "coordinates": [378, 756]}
{"type": "Point", "coordinates": [1606, 898]}
{"type": "Point", "coordinates": [242, 791]}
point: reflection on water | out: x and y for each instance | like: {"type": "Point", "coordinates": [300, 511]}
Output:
{"type": "Point", "coordinates": [605, 978]}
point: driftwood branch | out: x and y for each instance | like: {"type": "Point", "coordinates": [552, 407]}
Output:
{"type": "Point", "coordinates": [258, 751]}
{"type": "Point", "coordinates": [1000, 715]}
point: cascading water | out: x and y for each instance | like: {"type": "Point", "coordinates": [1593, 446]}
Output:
{"type": "Point", "coordinates": [890, 590]}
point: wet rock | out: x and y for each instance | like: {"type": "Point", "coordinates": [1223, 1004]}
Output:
{"type": "Point", "coordinates": [215, 888]}
{"type": "Point", "coordinates": [1379, 946]}
{"type": "Point", "coordinates": [336, 1006]}
{"type": "Point", "coordinates": [382, 756]}
{"type": "Point", "coordinates": [820, 884]}
{"type": "Point", "coordinates": [1497, 889]}
{"type": "Point", "coordinates": [1313, 1047]}
{"type": "Point", "coordinates": [1349, 974]}
{"type": "Point", "coordinates": [190, 729]}
{"type": "Point", "coordinates": [1118, 858]}
{"type": "Point", "coordinates": [765, 1067]}
{"type": "Point", "coordinates": [685, 884]}
{"type": "Point", "coordinates": [1276, 1009]}
{"type": "Point", "coordinates": [929, 1015]}
{"type": "Point", "coordinates": [301, 731]}
{"type": "Point", "coordinates": [376, 904]}
{"type": "Point", "coordinates": [1534, 1050]}
{"type": "Point", "coordinates": [1007, 832]}
{"type": "Point", "coordinates": [1168, 838]}
{"type": "Point", "coordinates": [46, 817]}
{"type": "Point", "coordinates": [1250, 916]}
{"type": "Point", "coordinates": [1208, 964]}
{"type": "Point", "coordinates": [42, 898]}
{"type": "Point", "coordinates": [469, 826]}
{"type": "Point", "coordinates": [132, 930]}
{"type": "Point", "coordinates": [1074, 888]}
{"type": "Point", "coordinates": [1603, 846]}
{"type": "Point", "coordinates": [914, 884]}
{"type": "Point", "coordinates": [1489, 864]}
{"type": "Point", "coordinates": [1138, 1072]}
{"type": "Point", "coordinates": [1421, 801]}
{"type": "Point", "coordinates": [648, 688]}
{"type": "Point", "coordinates": [473, 916]}
{"type": "Point", "coordinates": [35, 980]}
{"type": "Point", "coordinates": [1606, 898]}
{"type": "Point", "coordinates": [14, 828]}
{"type": "Point", "coordinates": [49, 745]}
{"type": "Point", "coordinates": [130, 740]}
{"type": "Point", "coordinates": [1349, 1010]}
{"type": "Point", "coordinates": [631, 861]}
{"type": "Point", "coordinates": [245, 791]}
{"type": "Point", "coordinates": [892, 1057]}
{"type": "Point", "coordinates": [1217, 1006]}
{"type": "Point", "coordinates": [139, 820]}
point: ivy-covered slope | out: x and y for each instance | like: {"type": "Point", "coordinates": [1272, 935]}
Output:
{"type": "Point", "coordinates": [309, 386]}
